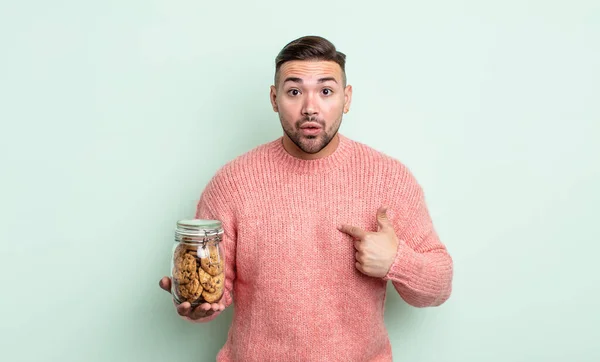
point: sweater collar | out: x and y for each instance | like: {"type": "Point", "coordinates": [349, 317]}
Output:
{"type": "Point", "coordinates": [298, 165]}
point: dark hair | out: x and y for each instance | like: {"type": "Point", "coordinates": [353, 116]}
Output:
{"type": "Point", "coordinates": [310, 48]}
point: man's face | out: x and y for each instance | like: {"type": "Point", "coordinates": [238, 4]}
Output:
{"type": "Point", "coordinates": [310, 98]}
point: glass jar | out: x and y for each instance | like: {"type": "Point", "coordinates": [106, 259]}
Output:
{"type": "Point", "coordinates": [198, 263]}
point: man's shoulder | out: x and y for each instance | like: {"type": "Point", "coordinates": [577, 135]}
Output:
{"type": "Point", "coordinates": [243, 163]}
{"type": "Point", "coordinates": [374, 157]}
{"type": "Point", "coordinates": [389, 170]}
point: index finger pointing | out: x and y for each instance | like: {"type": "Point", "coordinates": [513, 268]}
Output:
{"type": "Point", "coordinates": [354, 231]}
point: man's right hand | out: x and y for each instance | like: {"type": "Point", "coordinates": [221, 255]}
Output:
{"type": "Point", "coordinates": [185, 309]}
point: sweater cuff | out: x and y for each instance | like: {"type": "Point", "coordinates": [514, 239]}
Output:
{"type": "Point", "coordinates": [406, 267]}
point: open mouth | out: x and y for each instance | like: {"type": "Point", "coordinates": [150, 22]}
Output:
{"type": "Point", "coordinates": [310, 130]}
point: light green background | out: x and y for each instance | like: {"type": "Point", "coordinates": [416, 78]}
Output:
{"type": "Point", "coordinates": [115, 114]}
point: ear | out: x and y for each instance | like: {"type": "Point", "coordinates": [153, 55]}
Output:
{"type": "Point", "coordinates": [273, 97]}
{"type": "Point", "coordinates": [347, 98]}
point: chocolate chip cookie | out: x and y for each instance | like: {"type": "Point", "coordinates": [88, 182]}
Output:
{"type": "Point", "coordinates": [212, 263]}
{"type": "Point", "coordinates": [191, 291]}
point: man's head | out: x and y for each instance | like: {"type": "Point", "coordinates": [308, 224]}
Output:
{"type": "Point", "coordinates": [310, 94]}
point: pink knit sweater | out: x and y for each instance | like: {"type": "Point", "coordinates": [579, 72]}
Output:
{"type": "Point", "coordinates": [291, 275]}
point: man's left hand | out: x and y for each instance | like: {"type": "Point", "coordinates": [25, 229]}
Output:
{"type": "Point", "coordinates": [375, 251]}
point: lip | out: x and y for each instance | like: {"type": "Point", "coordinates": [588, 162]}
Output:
{"type": "Point", "coordinates": [311, 129]}
{"type": "Point", "coordinates": [310, 125]}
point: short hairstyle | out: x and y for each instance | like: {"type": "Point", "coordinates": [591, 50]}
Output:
{"type": "Point", "coordinates": [310, 48]}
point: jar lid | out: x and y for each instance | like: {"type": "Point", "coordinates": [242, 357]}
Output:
{"type": "Point", "coordinates": [194, 227]}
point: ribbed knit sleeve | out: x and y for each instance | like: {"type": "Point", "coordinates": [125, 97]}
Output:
{"type": "Point", "coordinates": [423, 269]}
{"type": "Point", "coordinates": [214, 204]}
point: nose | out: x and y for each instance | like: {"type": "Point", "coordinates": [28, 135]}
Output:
{"type": "Point", "coordinates": [309, 108]}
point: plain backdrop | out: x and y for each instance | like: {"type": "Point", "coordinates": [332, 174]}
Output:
{"type": "Point", "coordinates": [115, 114]}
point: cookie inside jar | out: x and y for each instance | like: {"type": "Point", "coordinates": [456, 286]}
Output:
{"type": "Point", "coordinates": [211, 272]}
{"type": "Point", "coordinates": [198, 273]}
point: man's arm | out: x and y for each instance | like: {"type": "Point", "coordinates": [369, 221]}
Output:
{"type": "Point", "coordinates": [213, 205]}
{"type": "Point", "coordinates": [422, 269]}
{"type": "Point", "coordinates": [405, 249]}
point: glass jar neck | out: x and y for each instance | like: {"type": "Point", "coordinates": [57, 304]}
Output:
{"type": "Point", "coordinates": [198, 231]}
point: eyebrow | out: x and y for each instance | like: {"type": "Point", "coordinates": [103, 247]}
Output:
{"type": "Point", "coordinates": [299, 80]}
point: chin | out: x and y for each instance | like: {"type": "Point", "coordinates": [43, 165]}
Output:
{"type": "Point", "coordinates": [312, 147]}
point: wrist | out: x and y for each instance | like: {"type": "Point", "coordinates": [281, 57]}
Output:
{"type": "Point", "coordinates": [396, 259]}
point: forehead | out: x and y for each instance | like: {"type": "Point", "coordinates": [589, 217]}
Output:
{"type": "Point", "coordinates": [310, 70]}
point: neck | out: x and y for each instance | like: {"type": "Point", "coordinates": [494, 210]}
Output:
{"type": "Point", "coordinates": [295, 151]}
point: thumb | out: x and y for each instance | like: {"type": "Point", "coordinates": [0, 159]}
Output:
{"type": "Point", "coordinates": [165, 283]}
{"type": "Point", "coordinates": [383, 223]}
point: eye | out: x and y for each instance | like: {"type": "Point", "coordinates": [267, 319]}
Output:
{"type": "Point", "coordinates": [327, 91]}
{"type": "Point", "coordinates": [293, 92]}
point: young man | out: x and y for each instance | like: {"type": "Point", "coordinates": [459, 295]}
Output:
{"type": "Point", "coordinates": [315, 226]}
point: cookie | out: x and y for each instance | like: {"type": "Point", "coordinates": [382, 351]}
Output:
{"type": "Point", "coordinates": [184, 276]}
{"type": "Point", "coordinates": [213, 297]}
{"type": "Point", "coordinates": [212, 264]}
{"type": "Point", "coordinates": [179, 251]}
{"type": "Point", "coordinates": [210, 283]}
{"type": "Point", "coordinates": [186, 263]}
{"type": "Point", "coordinates": [184, 269]}
{"type": "Point", "coordinates": [191, 291]}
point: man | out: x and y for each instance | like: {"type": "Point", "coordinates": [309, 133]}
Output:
{"type": "Point", "coordinates": [315, 226]}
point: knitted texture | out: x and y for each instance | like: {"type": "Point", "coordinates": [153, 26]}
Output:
{"type": "Point", "coordinates": [290, 273]}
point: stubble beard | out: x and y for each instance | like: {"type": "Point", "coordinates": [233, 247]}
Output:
{"type": "Point", "coordinates": [310, 144]}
